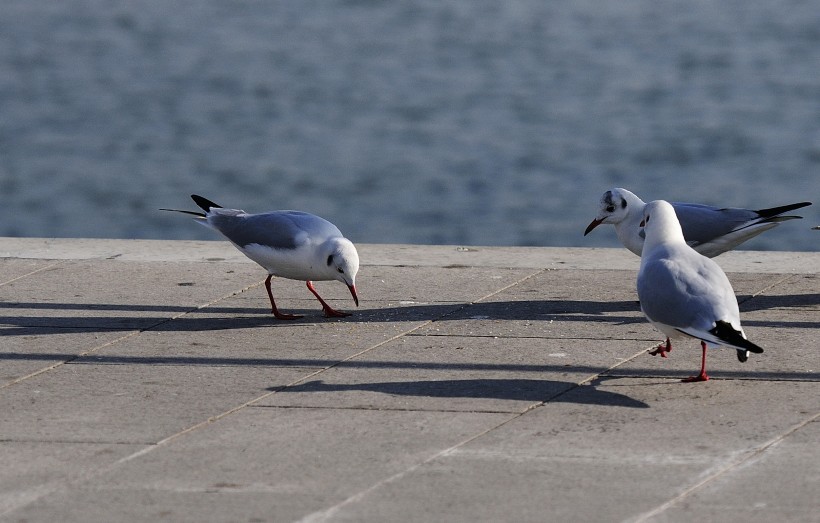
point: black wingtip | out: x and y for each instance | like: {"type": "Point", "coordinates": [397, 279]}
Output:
{"type": "Point", "coordinates": [724, 331]}
{"type": "Point", "coordinates": [204, 203]}
{"type": "Point", "coordinates": [775, 211]}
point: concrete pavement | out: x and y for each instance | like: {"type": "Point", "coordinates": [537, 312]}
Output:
{"type": "Point", "coordinates": [147, 381]}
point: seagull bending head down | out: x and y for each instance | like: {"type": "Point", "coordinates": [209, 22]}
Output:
{"type": "Point", "coordinates": [289, 244]}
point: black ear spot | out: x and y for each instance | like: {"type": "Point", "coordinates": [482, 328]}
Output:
{"type": "Point", "coordinates": [329, 260]}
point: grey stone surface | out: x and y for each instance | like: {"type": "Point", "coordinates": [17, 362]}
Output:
{"type": "Point", "coordinates": [147, 381]}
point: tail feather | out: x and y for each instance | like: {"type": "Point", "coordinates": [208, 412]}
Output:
{"type": "Point", "coordinates": [205, 203]}
{"type": "Point", "coordinates": [725, 332]}
{"type": "Point", "coordinates": [775, 211]}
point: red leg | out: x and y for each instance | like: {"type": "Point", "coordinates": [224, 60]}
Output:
{"type": "Point", "coordinates": [662, 349]}
{"type": "Point", "coordinates": [702, 376]}
{"type": "Point", "coordinates": [330, 312]}
{"type": "Point", "coordinates": [278, 315]}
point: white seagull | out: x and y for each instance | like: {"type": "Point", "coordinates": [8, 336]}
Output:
{"type": "Point", "coordinates": [684, 293]}
{"type": "Point", "coordinates": [709, 230]}
{"type": "Point", "coordinates": [289, 244]}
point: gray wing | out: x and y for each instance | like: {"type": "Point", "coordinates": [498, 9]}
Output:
{"type": "Point", "coordinates": [276, 229]}
{"type": "Point", "coordinates": [703, 223]}
{"type": "Point", "coordinates": [687, 291]}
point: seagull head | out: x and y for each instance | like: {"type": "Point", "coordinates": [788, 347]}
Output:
{"type": "Point", "coordinates": [342, 262]}
{"type": "Point", "coordinates": [660, 223]}
{"type": "Point", "coordinates": [616, 205]}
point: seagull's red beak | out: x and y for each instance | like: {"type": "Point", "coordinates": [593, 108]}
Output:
{"type": "Point", "coordinates": [353, 292]}
{"type": "Point", "coordinates": [596, 222]}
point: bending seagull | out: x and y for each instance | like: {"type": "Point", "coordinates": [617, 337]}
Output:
{"type": "Point", "coordinates": [289, 244]}
{"type": "Point", "coordinates": [709, 230]}
{"type": "Point", "coordinates": [684, 293]}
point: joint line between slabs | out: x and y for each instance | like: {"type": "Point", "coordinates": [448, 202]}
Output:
{"type": "Point", "coordinates": [131, 334]}
{"type": "Point", "coordinates": [35, 271]}
{"type": "Point", "coordinates": [784, 279]}
{"type": "Point", "coordinates": [233, 410]}
{"type": "Point", "coordinates": [725, 469]}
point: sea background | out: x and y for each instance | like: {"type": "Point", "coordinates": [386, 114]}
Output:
{"type": "Point", "coordinates": [441, 121]}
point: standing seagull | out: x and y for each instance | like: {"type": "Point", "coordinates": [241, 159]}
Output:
{"type": "Point", "coordinates": [289, 244]}
{"type": "Point", "coordinates": [709, 230]}
{"type": "Point", "coordinates": [684, 293]}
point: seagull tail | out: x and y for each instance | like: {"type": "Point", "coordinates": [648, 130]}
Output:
{"type": "Point", "coordinates": [726, 333]}
{"type": "Point", "coordinates": [774, 213]}
{"type": "Point", "coordinates": [205, 203]}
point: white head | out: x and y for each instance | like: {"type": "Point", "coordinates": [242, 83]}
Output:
{"type": "Point", "coordinates": [661, 224]}
{"type": "Point", "coordinates": [342, 262]}
{"type": "Point", "coordinates": [615, 207]}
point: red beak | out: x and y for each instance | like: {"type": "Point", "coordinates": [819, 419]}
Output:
{"type": "Point", "coordinates": [592, 225]}
{"type": "Point", "coordinates": [353, 292]}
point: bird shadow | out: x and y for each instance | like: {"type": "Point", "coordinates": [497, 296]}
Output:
{"type": "Point", "coordinates": [97, 317]}
{"type": "Point", "coordinates": [102, 317]}
{"type": "Point", "coordinates": [749, 303]}
{"type": "Point", "coordinates": [528, 390]}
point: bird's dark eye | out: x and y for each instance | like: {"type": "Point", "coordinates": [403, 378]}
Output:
{"type": "Point", "coordinates": [329, 260]}
{"type": "Point", "coordinates": [610, 208]}
{"type": "Point", "coordinates": [341, 270]}
{"type": "Point", "coordinates": [623, 204]}
{"type": "Point", "coordinates": [646, 220]}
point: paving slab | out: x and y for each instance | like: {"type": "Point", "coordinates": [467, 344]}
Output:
{"type": "Point", "coordinates": [147, 381]}
{"type": "Point", "coordinates": [456, 374]}
{"type": "Point", "coordinates": [12, 269]}
{"type": "Point", "coordinates": [556, 304]}
{"type": "Point", "coordinates": [95, 296]}
{"type": "Point", "coordinates": [33, 469]}
{"type": "Point", "coordinates": [261, 471]}
{"type": "Point", "coordinates": [139, 404]}
{"type": "Point", "coordinates": [744, 493]}
{"type": "Point", "coordinates": [560, 461]}
{"type": "Point", "coordinates": [25, 354]}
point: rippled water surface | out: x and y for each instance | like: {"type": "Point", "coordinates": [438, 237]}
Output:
{"type": "Point", "coordinates": [441, 121]}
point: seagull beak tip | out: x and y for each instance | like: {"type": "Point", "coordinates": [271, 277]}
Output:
{"type": "Point", "coordinates": [594, 223]}
{"type": "Point", "coordinates": [354, 294]}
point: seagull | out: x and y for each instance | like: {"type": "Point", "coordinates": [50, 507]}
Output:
{"type": "Point", "coordinates": [686, 294]}
{"type": "Point", "coordinates": [289, 244]}
{"type": "Point", "coordinates": [709, 230]}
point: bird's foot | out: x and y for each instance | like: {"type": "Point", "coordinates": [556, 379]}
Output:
{"type": "Point", "coordinates": [662, 349]}
{"type": "Point", "coordinates": [284, 316]}
{"type": "Point", "coordinates": [692, 379]}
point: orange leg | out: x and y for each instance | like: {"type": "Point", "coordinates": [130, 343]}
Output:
{"type": "Point", "coordinates": [274, 310]}
{"type": "Point", "coordinates": [330, 312]}
{"type": "Point", "coordinates": [702, 376]}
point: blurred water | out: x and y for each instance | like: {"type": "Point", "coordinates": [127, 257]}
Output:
{"type": "Point", "coordinates": [440, 121]}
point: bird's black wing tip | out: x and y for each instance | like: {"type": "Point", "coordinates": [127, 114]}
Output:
{"type": "Point", "coordinates": [205, 203]}
{"type": "Point", "coordinates": [723, 330]}
{"type": "Point", "coordinates": [774, 211]}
